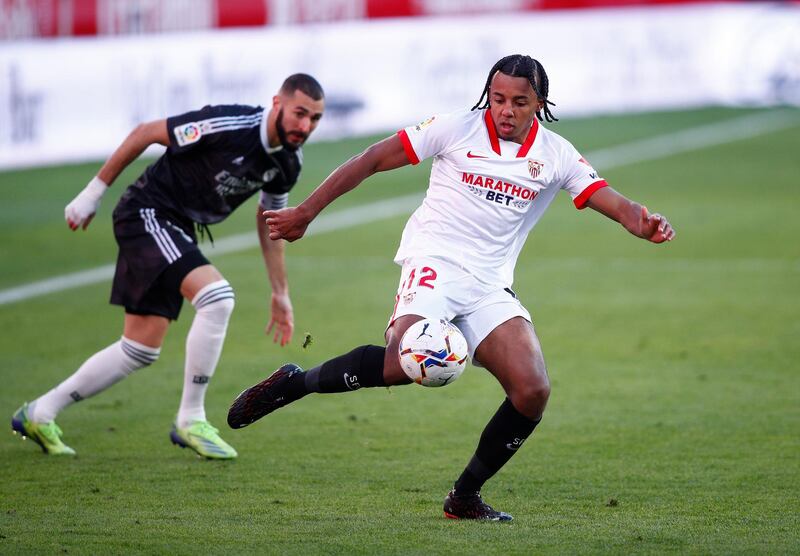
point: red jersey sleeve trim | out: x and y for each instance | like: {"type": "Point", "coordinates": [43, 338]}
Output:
{"type": "Point", "coordinates": [412, 156]}
{"type": "Point", "coordinates": [492, 131]}
{"type": "Point", "coordinates": [581, 200]}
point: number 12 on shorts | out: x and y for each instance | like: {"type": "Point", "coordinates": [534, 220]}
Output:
{"type": "Point", "coordinates": [427, 275]}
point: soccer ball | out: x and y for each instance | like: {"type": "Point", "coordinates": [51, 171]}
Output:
{"type": "Point", "coordinates": [433, 352]}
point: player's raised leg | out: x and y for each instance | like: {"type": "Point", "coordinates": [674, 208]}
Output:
{"type": "Point", "coordinates": [213, 299]}
{"type": "Point", "coordinates": [512, 353]}
{"type": "Point", "coordinates": [138, 347]}
{"type": "Point", "coordinates": [364, 367]}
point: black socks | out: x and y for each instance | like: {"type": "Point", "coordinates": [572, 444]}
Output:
{"type": "Point", "coordinates": [361, 368]}
{"type": "Point", "coordinates": [502, 437]}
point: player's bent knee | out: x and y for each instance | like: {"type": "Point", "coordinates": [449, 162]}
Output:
{"type": "Point", "coordinates": [530, 397]}
{"type": "Point", "coordinates": [220, 310]}
{"type": "Point", "coordinates": [216, 301]}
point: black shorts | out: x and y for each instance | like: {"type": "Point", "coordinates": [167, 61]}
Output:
{"type": "Point", "coordinates": [155, 255]}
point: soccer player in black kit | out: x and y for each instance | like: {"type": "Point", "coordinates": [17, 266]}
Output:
{"type": "Point", "coordinates": [216, 158]}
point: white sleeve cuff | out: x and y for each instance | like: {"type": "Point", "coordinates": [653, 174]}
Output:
{"type": "Point", "coordinates": [273, 201]}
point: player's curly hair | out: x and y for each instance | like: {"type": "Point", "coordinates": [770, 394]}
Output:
{"type": "Point", "coordinates": [519, 65]}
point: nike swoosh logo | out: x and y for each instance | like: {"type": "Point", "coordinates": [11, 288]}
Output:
{"type": "Point", "coordinates": [470, 155]}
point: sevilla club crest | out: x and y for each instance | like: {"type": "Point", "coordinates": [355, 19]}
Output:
{"type": "Point", "coordinates": [535, 168]}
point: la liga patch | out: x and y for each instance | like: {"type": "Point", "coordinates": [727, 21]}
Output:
{"type": "Point", "coordinates": [186, 134]}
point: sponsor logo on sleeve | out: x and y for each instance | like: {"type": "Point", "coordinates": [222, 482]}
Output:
{"type": "Point", "coordinates": [186, 134]}
{"type": "Point", "coordinates": [422, 125]}
{"type": "Point", "coordinates": [592, 174]}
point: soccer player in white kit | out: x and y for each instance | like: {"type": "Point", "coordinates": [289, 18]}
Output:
{"type": "Point", "coordinates": [495, 171]}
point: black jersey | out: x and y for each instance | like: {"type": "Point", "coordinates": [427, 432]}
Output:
{"type": "Point", "coordinates": [217, 159]}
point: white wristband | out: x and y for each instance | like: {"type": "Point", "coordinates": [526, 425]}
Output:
{"type": "Point", "coordinates": [96, 188]}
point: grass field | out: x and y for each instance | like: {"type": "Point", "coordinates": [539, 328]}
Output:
{"type": "Point", "coordinates": [673, 427]}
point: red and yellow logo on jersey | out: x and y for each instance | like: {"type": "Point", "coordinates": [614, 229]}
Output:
{"type": "Point", "coordinates": [535, 168]}
{"type": "Point", "coordinates": [422, 125]}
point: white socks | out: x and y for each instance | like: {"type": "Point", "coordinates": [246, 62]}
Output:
{"type": "Point", "coordinates": [214, 304]}
{"type": "Point", "coordinates": [101, 370]}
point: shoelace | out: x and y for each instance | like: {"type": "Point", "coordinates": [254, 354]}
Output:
{"type": "Point", "coordinates": [477, 499]}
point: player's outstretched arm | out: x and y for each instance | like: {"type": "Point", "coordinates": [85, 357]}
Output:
{"type": "Point", "coordinates": [291, 223]}
{"type": "Point", "coordinates": [81, 210]}
{"type": "Point", "coordinates": [281, 312]}
{"type": "Point", "coordinates": [634, 217]}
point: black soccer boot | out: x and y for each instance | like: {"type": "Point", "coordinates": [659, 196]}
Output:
{"type": "Point", "coordinates": [264, 398]}
{"type": "Point", "coordinates": [471, 506]}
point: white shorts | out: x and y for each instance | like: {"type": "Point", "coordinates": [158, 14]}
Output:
{"type": "Point", "coordinates": [435, 288]}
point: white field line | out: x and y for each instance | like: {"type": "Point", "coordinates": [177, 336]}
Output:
{"type": "Point", "coordinates": [709, 135]}
{"type": "Point", "coordinates": [661, 146]}
{"type": "Point", "coordinates": [338, 220]}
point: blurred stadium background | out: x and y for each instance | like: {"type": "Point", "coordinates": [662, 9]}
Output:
{"type": "Point", "coordinates": [102, 66]}
{"type": "Point", "coordinates": [673, 426]}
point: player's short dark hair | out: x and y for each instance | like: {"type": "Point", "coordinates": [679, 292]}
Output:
{"type": "Point", "coordinates": [519, 65]}
{"type": "Point", "coordinates": [304, 83]}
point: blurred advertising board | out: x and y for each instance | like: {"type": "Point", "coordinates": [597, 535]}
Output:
{"type": "Point", "coordinates": [75, 99]}
{"type": "Point", "coordinates": [54, 18]}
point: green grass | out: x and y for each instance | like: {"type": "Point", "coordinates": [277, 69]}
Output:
{"type": "Point", "coordinates": [672, 427]}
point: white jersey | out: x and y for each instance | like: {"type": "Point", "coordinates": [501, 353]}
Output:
{"type": "Point", "coordinates": [486, 194]}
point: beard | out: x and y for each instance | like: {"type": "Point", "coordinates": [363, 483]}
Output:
{"type": "Point", "coordinates": [283, 136]}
